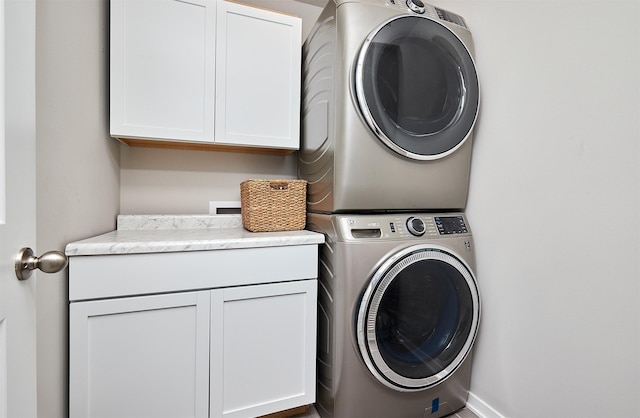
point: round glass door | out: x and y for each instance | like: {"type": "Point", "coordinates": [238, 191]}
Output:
{"type": "Point", "coordinates": [417, 87]}
{"type": "Point", "coordinates": [418, 318]}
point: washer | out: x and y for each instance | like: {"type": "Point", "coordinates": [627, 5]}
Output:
{"type": "Point", "coordinates": [390, 100]}
{"type": "Point", "coordinates": [398, 314]}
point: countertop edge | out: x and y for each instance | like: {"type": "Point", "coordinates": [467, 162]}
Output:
{"type": "Point", "coordinates": [160, 241]}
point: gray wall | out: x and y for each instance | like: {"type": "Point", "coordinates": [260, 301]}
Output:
{"type": "Point", "coordinates": [179, 181]}
{"type": "Point", "coordinates": [554, 207]}
{"type": "Point", "coordinates": [77, 165]}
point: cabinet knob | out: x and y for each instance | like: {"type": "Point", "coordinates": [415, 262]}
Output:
{"type": "Point", "coordinates": [49, 262]}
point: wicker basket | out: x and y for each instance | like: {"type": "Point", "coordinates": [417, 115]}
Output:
{"type": "Point", "coordinates": [273, 205]}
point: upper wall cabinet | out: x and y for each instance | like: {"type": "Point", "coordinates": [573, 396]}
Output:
{"type": "Point", "coordinates": [204, 74]}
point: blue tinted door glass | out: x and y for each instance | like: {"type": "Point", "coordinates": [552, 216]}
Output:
{"type": "Point", "coordinates": [424, 319]}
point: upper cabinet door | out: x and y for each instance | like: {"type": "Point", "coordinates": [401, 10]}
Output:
{"type": "Point", "coordinates": [162, 69]}
{"type": "Point", "coordinates": [257, 77]}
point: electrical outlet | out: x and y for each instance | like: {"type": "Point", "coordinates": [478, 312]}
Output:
{"type": "Point", "coordinates": [220, 207]}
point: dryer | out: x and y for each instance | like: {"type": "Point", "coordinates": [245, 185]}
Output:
{"type": "Point", "coordinates": [390, 100]}
{"type": "Point", "coordinates": [398, 314]}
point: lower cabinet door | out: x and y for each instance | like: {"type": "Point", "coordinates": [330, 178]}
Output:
{"type": "Point", "coordinates": [142, 356]}
{"type": "Point", "coordinates": [263, 348]}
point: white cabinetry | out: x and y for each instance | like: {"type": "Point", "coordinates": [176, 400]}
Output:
{"type": "Point", "coordinates": [264, 350]}
{"type": "Point", "coordinates": [162, 69]}
{"type": "Point", "coordinates": [205, 72]}
{"type": "Point", "coordinates": [140, 356]}
{"type": "Point", "coordinates": [207, 340]}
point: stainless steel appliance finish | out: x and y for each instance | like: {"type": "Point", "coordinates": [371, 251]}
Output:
{"type": "Point", "coordinates": [390, 100]}
{"type": "Point", "coordinates": [398, 313]}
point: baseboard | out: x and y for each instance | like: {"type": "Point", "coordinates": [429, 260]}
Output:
{"type": "Point", "coordinates": [481, 408]}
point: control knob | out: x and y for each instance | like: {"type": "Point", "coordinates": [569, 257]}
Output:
{"type": "Point", "coordinates": [416, 226]}
{"type": "Point", "coordinates": [416, 6]}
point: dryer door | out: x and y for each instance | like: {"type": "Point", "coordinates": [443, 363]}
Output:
{"type": "Point", "coordinates": [417, 88]}
{"type": "Point", "coordinates": [418, 318]}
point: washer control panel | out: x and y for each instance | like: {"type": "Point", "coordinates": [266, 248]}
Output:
{"type": "Point", "coordinates": [402, 226]}
{"type": "Point", "coordinates": [448, 225]}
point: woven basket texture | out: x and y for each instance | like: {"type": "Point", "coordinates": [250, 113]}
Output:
{"type": "Point", "coordinates": [273, 205]}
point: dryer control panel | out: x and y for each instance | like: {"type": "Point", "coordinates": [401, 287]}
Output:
{"type": "Point", "coordinates": [402, 226]}
{"type": "Point", "coordinates": [419, 7]}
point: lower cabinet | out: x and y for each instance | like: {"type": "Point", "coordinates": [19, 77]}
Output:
{"type": "Point", "coordinates": [232, 351]}
{"type": "Point", "coordinates": [142, 356]}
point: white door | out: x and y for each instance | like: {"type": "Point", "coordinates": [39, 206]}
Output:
{"type": "Point", "coordinates": [17, 207]}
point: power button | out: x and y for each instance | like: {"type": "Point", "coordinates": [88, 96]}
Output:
{"type": "Point", "coordinates": [416, 226]}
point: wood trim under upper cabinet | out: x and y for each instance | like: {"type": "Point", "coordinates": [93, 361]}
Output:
{"type": "Point", "coordinates": [145, 143]}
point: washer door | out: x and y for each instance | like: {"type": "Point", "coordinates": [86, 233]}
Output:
{"type": "Point", "coordinates": [417, 88]}
{"type": "Point", "coordinates": [418, 318]}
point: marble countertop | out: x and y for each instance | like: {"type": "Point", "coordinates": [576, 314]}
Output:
{"type": "Point", "coordinates": [138, 234]}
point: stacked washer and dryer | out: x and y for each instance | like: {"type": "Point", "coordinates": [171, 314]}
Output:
{"type": "Point", "coordinates": [390, 99]}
